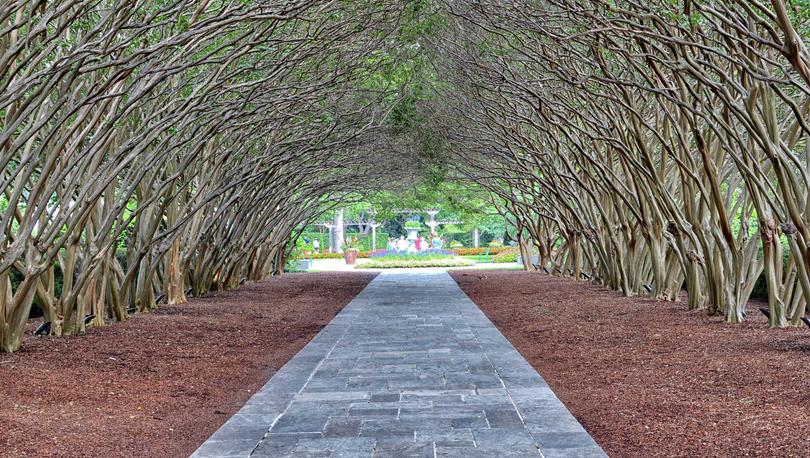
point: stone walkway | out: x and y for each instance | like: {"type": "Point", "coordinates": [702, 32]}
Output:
{"type": "Point", "coordinates": [411, 367]}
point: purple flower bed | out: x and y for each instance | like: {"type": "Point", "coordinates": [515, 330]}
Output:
{"type": "Point", "coordinates": [423, 253]}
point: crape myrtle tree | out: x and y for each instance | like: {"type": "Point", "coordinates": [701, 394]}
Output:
{"type": "Point", "coordinates": [195, 135]}
{"type": "Point", "coordinates": [648, 145]}
{"type": "Point", "coordinates": [156, 149]}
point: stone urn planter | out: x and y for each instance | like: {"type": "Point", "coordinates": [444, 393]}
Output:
{"type": "Point", "coordinates": [350, 255]}
{"type": "Point", "coordinates": [412, 228]}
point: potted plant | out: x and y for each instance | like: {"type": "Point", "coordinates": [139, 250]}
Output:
{"type": "Point", "coordinates": [412, 227]}
{"type": "Point", "coordinates": [350, 250]}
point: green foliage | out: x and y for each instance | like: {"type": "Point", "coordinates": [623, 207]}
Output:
{"type": "Point", "coordinates": [297, 252]}
{"type": "Point", "coordinates": [292, 265]}
{"type": "Point", "coordinates": [477, 251]}
{"type": "Point", "coordinates": [322, 238]}
{"type": "Point", "coordinates": [364, 239]}
{"type": "Point", "coordinates": [509, 255]}
{"type": "Point", "coordinates": [351, 243]}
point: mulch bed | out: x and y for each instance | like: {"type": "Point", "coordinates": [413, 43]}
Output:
{"type": "Point", "coordinates": [648, 378]}
{"type": "Point", "coordinates": [160, 384]}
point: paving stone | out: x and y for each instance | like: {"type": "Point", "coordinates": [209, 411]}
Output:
{"type": "Point", "coordinates": [453, 411]}
{"type": "Point", "coordinates": [503, 439]}
{"type": "Point", "coordinates": [385, 397]}
{"type": "Point", "coordinates": [342, 427]}
{"type": "Point", "coordinates": [373, 412]}
{"type": "Point", "coordinates": [455, 436]}
{"type": "Point", "coordinates": [235, 432]}
{"type": "Point", "coordinates": [443, 444]}
{"type": "Point", "coordinates": [338, 446]}
{"type": "Point", "coordinates": [228, 448]}
{"type": "Point", "coordinates": [471, 452]}
{"type": "Point", "coordinates": [564, 440]}
{"type": "Point", "coordinates": [447, 399]}
{"type": "Point", "coordinates": [468, 422]}
{"type": "Point", "coordinates": [410, 367]}
{"type": "Point", "coordinates": [501, 418]}
{"type": "Point", "coordinates": [404, 450]}
{"type": "Point", "coordinates": [367, 383]}
{"type": "Point", "coordinates": [299, 424]}
{"type": "Point", "coordinates": [579, 452]}
{"type": "Point", "coordinates": [394, 428]}
{"type": "Point", "coordinates": [537, 423]}
{"type": "Point", "coordinates": [240, 419]}
{"type": "Point", "coordinates": [330, 384]}
{"type": "Point", "coordinates": [330, 408]}
{"type": "Point", "coordinates": [277, 445]}
{"type": "Point", "coordinates": [262, 409]}
{"type": "Point", "coordinates": [333, 396]}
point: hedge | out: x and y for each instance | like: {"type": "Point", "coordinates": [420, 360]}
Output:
{"type": "Point", "coordinates": [328, 256]}
{"type": "Point", "coordinates": [361, 254]}
{"type": "Point", "coordinates": [364, 239]}
{"type": "Point", "coordinates": [508, 255]}
{"type": "Point", "coordinates": [474, 251]}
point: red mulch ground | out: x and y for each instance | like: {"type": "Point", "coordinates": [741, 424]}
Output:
{"type": "Point", "coordinates": [649, 378]}
{"type": "Point", "coordinates": [160, 384]}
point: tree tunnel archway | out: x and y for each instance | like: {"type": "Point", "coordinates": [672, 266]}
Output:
{"type": "Point", "coordinates": [155, 150]}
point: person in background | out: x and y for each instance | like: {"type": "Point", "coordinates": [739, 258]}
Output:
{"type": "Point", "coordinates": [316, 246]}
{"type": "Point", "coordinates": [402, 244]}
{"type": "Point", "coordinates": [418, 243]}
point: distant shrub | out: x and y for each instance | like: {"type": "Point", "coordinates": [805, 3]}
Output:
{"type": "Point", "coordinates": [475, 251]}
{"type": "Point", "coordinates": [328, 256]}
{"type": "Point", "coordinates": [507, 255]}
{"type": "Point", "coordinates": [365, 239]}
{"type": "Point", "coordinates": [361, 254]}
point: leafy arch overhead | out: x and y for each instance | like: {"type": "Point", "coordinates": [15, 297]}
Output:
{"type": "Point", "coordinates": [156, 149]}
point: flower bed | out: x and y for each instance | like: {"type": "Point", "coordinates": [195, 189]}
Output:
{"type": "Point", "coordinates": [420, 255]}
{"type": "Point", "coordinates": [384, 259]}
{"type": "Point", "coordinates": [417, 255]}
{"type": "Point", "coordinates": [382, 263]}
